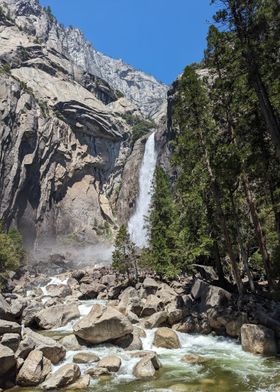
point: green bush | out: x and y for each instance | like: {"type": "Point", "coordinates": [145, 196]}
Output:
{"type": "Point", "coordinates": [11, 251]}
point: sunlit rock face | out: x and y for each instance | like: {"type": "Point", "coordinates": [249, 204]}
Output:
{"type": "Point", "coordinates": [66, 143]}
{"type": "Point", "coordinates": [141, 89]}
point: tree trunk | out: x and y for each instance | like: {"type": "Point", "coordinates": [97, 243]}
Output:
{"type": "Point", "coordinates": [242, 252]}
{"type": "Point", "coordinates": [257, 226]}
{"type": "Point", "coordinates": [218, 200]}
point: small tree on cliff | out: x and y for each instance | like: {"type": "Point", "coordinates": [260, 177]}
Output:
{"type": "Point", "coordinates": [124, 255]}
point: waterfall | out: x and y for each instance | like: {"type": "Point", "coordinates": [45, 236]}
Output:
{"type": "Point", "coordinates": [137, 224]}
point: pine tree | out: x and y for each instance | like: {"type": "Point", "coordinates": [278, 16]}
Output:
{"type": "Point", "coordinates": [163, 255]}
{"type": "Point", "coordinates": [124, 255]}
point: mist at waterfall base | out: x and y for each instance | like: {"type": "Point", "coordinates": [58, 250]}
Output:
{"type": "Point", "coordinates": [91, 255]}
{"type": "Point", "coordinates": [137, 224]}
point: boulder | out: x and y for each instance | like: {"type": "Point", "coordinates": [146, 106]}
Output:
{"type": "Point", "coordinates": [130, 301]}
{"type": "Point", "coordinates": [58, 290]}
{"type": "Point", "coordinates": [209, 296]}
{"type": "Point", "coordinates": [78, 275]}
{"type": "Point", "coordinates": [30, 312]}
{"type": "Point", "coordinates": [258, 339]}
{"type": "Point", "coordinates": [199, 289]}
{"type": "Point", "coordinates": [112, 363]}
{"type": "Point", "coordinates": [132, 317]}
{"type": "Point", "coordinates": [7, 360]}
{"type": "Point", "coordinates": [129, 342]}
{"type": "Point", "coordinates": [168, 295]}
{"type": "Point", "coordinates": [9, 327]}
{"type": "Point", "coordinates": [146, 368]}
{"type": "Point", "coordinates": [175, 315]}
{"type": "Point", "coordinates": [70, 342]}
{"type": "Point", "coordinates": [5, 309]}
{"type": "Point", "coordinates": [11, 340]}
{"type": "Point", "coordinates": [108, 280]}
{"type": "Point", "coordinates": [150, 284]}
{"type": "Point", "coordinates": [85, 357]}
{"type": "Point", "coordinates": [115, 291]}
{"type": "Point", "coordinates": [194, 359]}
{"type": "Point", "coordinates": [102, 324]}
{"type": "Point", "coordinates": [51, 349]}
{"type": "Point", "coordinates": [34, 370]}
{"type": "Point", "coordinates": [57, 316]}
{"type": "Point", "coordinates": [156, 320]}
{"type": "Point", "coordinates": [17, 307]}
{"type": "Point", "coordinates": [91, 291]}
{"type": "Point", "coordinates": [151, 305]}
{"type": "Point", "coordinates": [64, 376]}
{"type": "Point", "coordinates": [166, 338]}
{"type": "Point", "coordinates": [97, 372]}
{"type": "Point", "coordinates": [82, 383]}
{"type": "Point", "coordinates": [233, 327]}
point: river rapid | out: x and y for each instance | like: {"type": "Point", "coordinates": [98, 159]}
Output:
{"type": "Point", "coordinates": [225, 368]}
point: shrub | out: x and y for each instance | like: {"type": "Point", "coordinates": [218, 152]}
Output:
{"type": "Point", "coordinates": [11, 251]}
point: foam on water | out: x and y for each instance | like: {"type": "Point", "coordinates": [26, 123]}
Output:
{"type": "Point", "coordinates": [221, 352]}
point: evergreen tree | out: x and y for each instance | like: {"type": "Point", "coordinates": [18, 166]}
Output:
{"type": "Point", "coordinates": [163, 256]}
{"type": "Point", "coordinates": [124, 255]}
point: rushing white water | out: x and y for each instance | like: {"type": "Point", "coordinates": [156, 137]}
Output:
{"type": "Point", "coordinates": [137, 224]}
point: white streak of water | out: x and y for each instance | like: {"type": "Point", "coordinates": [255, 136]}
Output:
{"type": "Point", "coordinates": [137, 224]}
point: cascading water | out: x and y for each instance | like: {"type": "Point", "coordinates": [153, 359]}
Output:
{"type": "Point", "coordinates": [137, 225]}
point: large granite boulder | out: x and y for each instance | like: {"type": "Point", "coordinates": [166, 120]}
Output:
{"type": "Point", "coordinates": [57, 316]}
{"type": "Point", "coordinates": [166, 338]}
{"type": "Point", "coordinates": [146, 368]}
{"type": "Point", "coordinates": [51, 349]}
{"type": "Point", "coordinates": [11, 340]}
{"type": "Point", "coordinates": [209, 296]}
{"type": "Point", "coordinates": [64, 376]}
{"type": "Point", "coordinates": [102, 324]}
{"type": "Point", "coordinates": [7, 360]}
{"type": "Point", "coordinates": [85, 357]}
{"type": "Point", "coordinates": [9, 327]}
{"type": "Point", "coordinates": [58, 290]}
{"type": "Point", "coordinates": [34, 370]}
{"type": "Point", "coordinates": [71, 342]}
{"type": "Point", "coordinates": [258, 339]}
{"type": "Point", "coordinates": [112, 363]}
{"type": "Point", "coordinates": [5, 309]}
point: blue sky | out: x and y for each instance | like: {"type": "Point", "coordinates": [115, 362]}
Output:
{"type": "Point", "coordinates": [159, 37]}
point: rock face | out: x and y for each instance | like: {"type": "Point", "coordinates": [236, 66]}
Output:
{"type": "Point", "coordinates": [258, 339]}
{"type": "Point", "coordinates": [143, 90]}
{"type": "Point", "coordinates": [65, 130]}
{"type": "Point", "coordinates": [34, 370]}
{"type": "Point", "coordinates": [102, 324]}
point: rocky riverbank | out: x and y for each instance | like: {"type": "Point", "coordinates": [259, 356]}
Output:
{"type": "Point", "coordinates": [84, 326]}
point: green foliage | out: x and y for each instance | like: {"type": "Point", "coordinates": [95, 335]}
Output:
{"type": "Point", "coordinates": [11, 250]}
{"type": "Point", "coordinates": [5, 69]}
{"type": "Point", "coordinates": [162, 255]}
{"type": "Point", "coordinates": [124, 257]}
{"type": "Point", "coordinates": [140, 127]}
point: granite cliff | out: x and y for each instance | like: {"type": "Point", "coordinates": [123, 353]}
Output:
{"type": "Point", "coordinates": [65, 130]}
